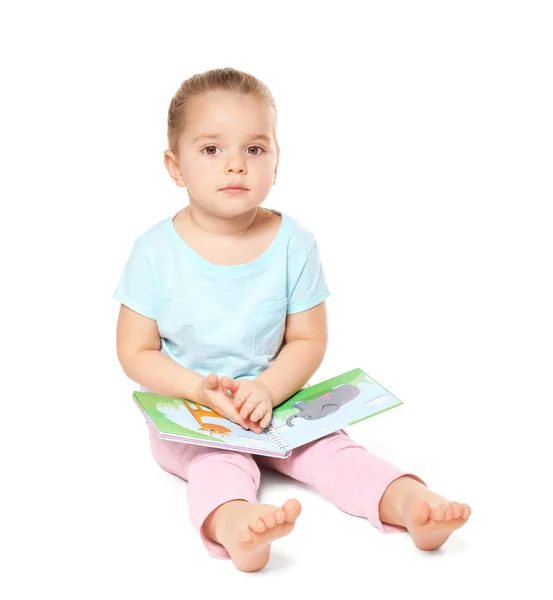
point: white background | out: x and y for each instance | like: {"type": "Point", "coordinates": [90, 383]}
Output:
{"type": "Point", "coordinates": [416, 144]}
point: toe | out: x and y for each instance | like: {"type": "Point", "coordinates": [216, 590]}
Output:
{"type": "Point", "coordinates": [421, 512]}
{"type": "Point", "coordinates": [292, 509]}
{"type": "Point", "coordinates": [269, 520]}
{"type": "Point", "coordinates": [258, 526]}
{"type": "Point", "coordinates": [457, 510]}
{"type": "Point", "coordinates": [449, 514]}
{"type": "Point", "coordinates": [246, 536]}
{"type": "Point", "coordinates": [466, 512]}
{"type": "Point", "coordinates": [438, 513]}
{"type": "Point", "coordinates": [280, 516]}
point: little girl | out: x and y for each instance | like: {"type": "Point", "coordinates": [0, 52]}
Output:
{"type": "Point", "coordinates": [224, 304]}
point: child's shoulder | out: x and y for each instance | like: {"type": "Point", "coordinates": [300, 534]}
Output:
{"type": "Point", "coordinates": [301, 237]}
{"type": "Point", "coordinates": [155, 234]}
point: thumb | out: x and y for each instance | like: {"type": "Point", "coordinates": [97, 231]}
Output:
{"type": "Point", "coordinates": [229, 384]}
{"type": "Point", "coordinates": [211, 381]}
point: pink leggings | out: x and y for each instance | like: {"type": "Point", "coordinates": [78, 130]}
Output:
{"type": "Point", "coordinates": [339, 468]}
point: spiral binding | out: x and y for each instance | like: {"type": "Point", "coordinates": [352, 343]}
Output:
{"type": "Point", "coordinates": [277, 439]}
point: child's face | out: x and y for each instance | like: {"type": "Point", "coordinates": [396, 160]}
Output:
{"type": "Point", "coordinates": [238, 155]}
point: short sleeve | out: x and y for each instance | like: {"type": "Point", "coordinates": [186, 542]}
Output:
{"type": "Point", "coordinates": [307, 285]}
{"type": "Point", "coordinates": [136, 288]}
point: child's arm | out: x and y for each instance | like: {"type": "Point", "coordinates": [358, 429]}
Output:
{"type": "Point", "coordinates": [306, 337]}
{"type": "Point", "coordinates": [138, 350]}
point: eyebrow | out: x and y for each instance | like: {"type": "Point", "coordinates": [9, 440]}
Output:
{"type": "Point", "coordinates": [208, 136]}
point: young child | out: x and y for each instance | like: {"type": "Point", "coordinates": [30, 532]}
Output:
{"type": "Point", "coordinates": [224, 304]}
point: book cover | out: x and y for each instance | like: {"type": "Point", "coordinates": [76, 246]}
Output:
{"type": "Point", "coordinates": [309, 414]}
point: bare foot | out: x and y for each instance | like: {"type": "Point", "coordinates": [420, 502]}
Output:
{"type": "Point", "coordinates": [431, 519]}
{"type": "Point", "coordinates": [246, 530]}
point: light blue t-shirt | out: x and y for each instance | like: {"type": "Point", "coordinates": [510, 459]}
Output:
{"type": "Point", "coordinates": [227, 320]}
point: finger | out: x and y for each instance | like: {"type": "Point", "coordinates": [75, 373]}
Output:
{"type": "Point", "coordinates": [259, 411]}
{"type": "Point", "coordinates": [255, 427]}
{"type": "Point", "coordinates": [243, 422]}
{"type": "Point", "coordinates": [240, 398]}
{"type": "Point", "coordinates": [248, 407]}
{"type": "Point", "coordinates": [230, 384]}
{"type": "Point", "coordinates": [264, 423]}
{"type": "Point", "coordinates": [234, 416]}
{"type": "Point", "coordinates": [212, 381]}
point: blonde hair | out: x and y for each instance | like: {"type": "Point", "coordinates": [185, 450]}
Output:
{"type": "Point", "coordinates": [228, 80]}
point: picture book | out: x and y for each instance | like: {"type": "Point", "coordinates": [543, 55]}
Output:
{"type": "Point", "coordinates": [309, 414]}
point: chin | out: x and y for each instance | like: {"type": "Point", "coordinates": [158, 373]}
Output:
{"type": "Point", "coordinates": [240, 205]}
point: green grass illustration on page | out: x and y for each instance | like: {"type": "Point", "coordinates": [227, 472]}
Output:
{"type": "Point", "coordinates": [285, 412]}
{"type": "Point", "coordinates": [307, 415]}
{"type": "Point", "coordinates": [165, 412]}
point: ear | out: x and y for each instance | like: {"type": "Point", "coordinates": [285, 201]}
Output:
{"type": "Point", "coordinates": [276, 168]}
{"type": "Point", "coordinates": [173, 168]}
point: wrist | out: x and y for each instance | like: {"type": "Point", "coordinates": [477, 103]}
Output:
{"type": "Point", "coordinates": [270, 392]}
{"type": "Point", "coordinates": [200, 396]}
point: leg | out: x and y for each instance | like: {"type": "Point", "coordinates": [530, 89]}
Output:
{"type": "Point", "coordinates": [343, 471]}
{"type": "Point", "coordinates": [222, 490]}
{"type": "Point", "coordinates": [214, 478]}
{"type": "Point", "coordinates": [359, 483]}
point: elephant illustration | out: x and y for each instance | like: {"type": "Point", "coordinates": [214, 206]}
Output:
{"type": "Point", "coordinates": [324, 405]}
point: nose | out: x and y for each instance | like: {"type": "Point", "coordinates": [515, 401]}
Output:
{"type": "Point", "coordinates": [235, 164]}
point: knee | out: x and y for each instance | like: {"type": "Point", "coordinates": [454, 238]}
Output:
{"type": "Point", "coordinates": [329, 445]}
{"type": "Point", "coordinates": [331, 455]}
{"type": "Point", "coordinates": [216, 459]}
{"type": "Point", "coordinates": [168, 454]}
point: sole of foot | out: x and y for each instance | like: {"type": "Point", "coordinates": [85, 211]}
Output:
{"type": "Point", "coordinates": [253, 528]}
{"type": "Point", "coordinates": [431, 526]}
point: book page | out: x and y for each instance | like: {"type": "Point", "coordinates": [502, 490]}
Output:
{"type": "Point", "coordinates": [191, 421]}
{"type": "Point", "coordinates": [330, 405]}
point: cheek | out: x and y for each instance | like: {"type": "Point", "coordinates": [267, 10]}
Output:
{"type": "Point", "coordinates": [200, 173]}
{"type": "Point", "coordinates": [263, 171]}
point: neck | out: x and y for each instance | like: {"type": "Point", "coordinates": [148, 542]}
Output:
{"type": "Point", "coordinates": [213, 225]}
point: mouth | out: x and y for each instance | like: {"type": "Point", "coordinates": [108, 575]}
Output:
{"type": "Point", "coordinates": [234, 190]}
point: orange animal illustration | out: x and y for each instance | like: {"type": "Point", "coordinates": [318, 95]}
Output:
{"type": "Point", "coordinates": [211, 428]}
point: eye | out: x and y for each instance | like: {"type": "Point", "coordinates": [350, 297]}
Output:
{"type": "Point", "coordinates": [209, 153]}
{"type": "Point", "coordinates": [209, 148]}
{"type": "Point", "coordinates": [259, 148]}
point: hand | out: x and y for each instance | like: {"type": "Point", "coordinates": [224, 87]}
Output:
{"type": "Point", "coordinates": [253, 399]}
{"type": "Point", "coordinates": [211, 393]}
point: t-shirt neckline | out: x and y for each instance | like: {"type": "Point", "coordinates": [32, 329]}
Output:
{"type": "Point", "coordinates": [227, 269]}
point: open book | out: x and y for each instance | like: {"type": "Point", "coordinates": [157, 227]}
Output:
{"type": "Point", "coordinates": [308, 415]}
